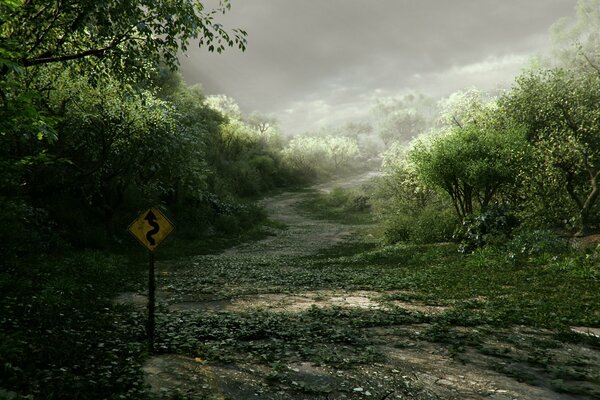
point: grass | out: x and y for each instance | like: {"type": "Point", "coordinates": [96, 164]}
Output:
{"type": "Point", "coordinates": [494, 295]}
{"type": "Point", "coordinates": [498, 301]}
{"type": "Point", "coordinates": [323, 336]}
{"type": "Point", "coordinates": [340, 205]}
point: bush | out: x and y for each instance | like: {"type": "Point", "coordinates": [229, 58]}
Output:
{"type": "Point", "coordinates": [430, 225]}
{"type": "Point", "coordinates": [492, 226]}
{"type": "Point", "coordinates": [535, 243]}
{"type": "Point", "coordinates": [25, 229]}
{"type": "Point", "coordinates": [434, 226]}
{"type": "Point", "coordinates": [217, 214]}
{"type": "Point", "coordinates": [347, 200]}
{"type": "Point", "coordinates": [361, 203]}
{"type": "Point", "coordinates": [398, 228]}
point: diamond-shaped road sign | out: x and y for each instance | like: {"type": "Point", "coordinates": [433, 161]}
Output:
{"type": "Point", "coordinates": [151, 228]}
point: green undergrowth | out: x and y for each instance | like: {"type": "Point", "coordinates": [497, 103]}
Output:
{"type": "Point", "coordinates": [179, 248]}
{"type": "Point", "coordinates": [324, 336]}
{"type": "Point", "coordinates": [341, 205]}
{"type": "Point", "coordinates": [61, 334]}
{"type": "Point", "coordinates": [509, 310]}
{"type": "Point", "coordinates": [488, 286]}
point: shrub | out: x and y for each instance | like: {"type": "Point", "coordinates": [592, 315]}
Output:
{"type": "Point", "coordinates": [361, 203]}
{"type": "Point", "coordinates": [430, 225]}
{"type": "Point", "coordinates": [397, 228]}
{"type": "Point", "coordinates": [347, 200]}
{"type": "Point", "coordinates": [535, 243]}
{"type": "Point", "coordinates": [25, 229]}
{"type": "Point", "coordinates": [433, 226]}
{"type": "Point", "coordinates": [492, 226]}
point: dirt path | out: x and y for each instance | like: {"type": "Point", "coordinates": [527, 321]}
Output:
{"type": "Point", "coordinates": [257, 352]}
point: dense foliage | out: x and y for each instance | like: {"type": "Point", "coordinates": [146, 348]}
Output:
{"type": "Point", "coordinates": [94, 127]}
{"type": "Point", "coordinates": [531, 152]}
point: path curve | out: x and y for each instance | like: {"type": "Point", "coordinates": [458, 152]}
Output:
{"type": "Point", "coordinates": [418, 369]}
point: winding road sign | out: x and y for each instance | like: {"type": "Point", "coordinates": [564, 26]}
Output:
{"type": "Point", "coordinates": [151, 228]}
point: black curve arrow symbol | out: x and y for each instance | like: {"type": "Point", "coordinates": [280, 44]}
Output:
{"type": "Point", "coordinates": [151, 218]}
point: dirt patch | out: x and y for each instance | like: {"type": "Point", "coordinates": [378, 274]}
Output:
{"type": "Point", "coordinates": [584, 330]}
{"type": "Point", "coordinates": [171, 375]}
{"type": "Point", "coordinates": [131, 298]}
{"type": "Point", "coordinates": [175, 375]}
{"type": "Point", "coordinates": [283, 302]}
{"type": "Point", "coordinates": [451, 379]}
{"type": "Point", "coordinates": [420, 307]}
{"type": "Point", "coordinates": [585, 242]}
{"type": "Point", "coordinates": [352, 183]}
{"type": "Point", "coordinates": [490, 362]}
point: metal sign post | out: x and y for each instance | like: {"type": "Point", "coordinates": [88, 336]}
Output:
{"type": "Point", "coordinates": [151, 303]}
{"type": "Point", "coordinates": [150, 229]}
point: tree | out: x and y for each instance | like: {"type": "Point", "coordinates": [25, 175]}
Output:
{"type": "Point", "coordinates": [266, 128]}
{"type": "Point", "coordinates": [112, 39]}
{"type": "Point", "coordinates": [107, 134]}
{"type": "Point", "coordinates": [341, 150]}
{"type": "Point", "coordinates": [402, 118]}
{"type": "Point", "coordinates": [577, 43]}
{"type": "Point", "coordinates": [306, 153]}
{"type": "Point", "coordinates": [127, 33]}
{"type": "Point", "coordinates": [262, 123]}
{"type": "Point", "coordinates": [561, 112]}
{"type": "Point", "coordinates": [225, 105]}
{"type": "Point", "coordinates": [356, 129]}
{"type": "Point", "coordinates": [316, 154]}
{"type": "Point", "coordinates": [472, 163]}
{"type": "Point", "coordinates": [461, 108]}
{"type": "Point", "coordinates": [401, 186]}
{"type": "Point", "coordinates": [402, 125]}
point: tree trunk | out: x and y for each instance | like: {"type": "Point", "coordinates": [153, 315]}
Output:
{"type": "Point", "coordinates": [584, 214]}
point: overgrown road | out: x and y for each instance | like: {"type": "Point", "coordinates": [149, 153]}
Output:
{"type": "Point", "coordinates": [293, 316]}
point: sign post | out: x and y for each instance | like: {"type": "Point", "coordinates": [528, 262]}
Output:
{"type": "Point", "coordinates": [150, 229]}
{"type": "Point", "coordinates": [151, 303]}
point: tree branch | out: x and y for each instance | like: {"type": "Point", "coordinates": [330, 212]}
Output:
{"type": "Point", "coordinates": [456, 121]}
{"type": "Point", "coordinates": [594, 66]}
{"type": "Point", "coordinates": [91, 52]}
{"type": "Point", "coordinates": [571, 190]}
{"type": "Point", "coordinates": [68, 57]}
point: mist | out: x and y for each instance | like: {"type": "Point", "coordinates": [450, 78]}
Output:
{"type": "Point", "coordinates": [315, 64]}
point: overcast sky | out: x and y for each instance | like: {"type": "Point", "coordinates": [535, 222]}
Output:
{"type": "Point", "coordinates": [316, 63]}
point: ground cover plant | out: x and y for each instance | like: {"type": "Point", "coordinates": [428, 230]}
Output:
{"type": "Point", "coordinates": [349, 305]}
{"type": "Point", "coordinates": [62, 334]}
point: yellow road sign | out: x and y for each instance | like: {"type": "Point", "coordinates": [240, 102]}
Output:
{"type": "Point", "coordinates": [151, 228]}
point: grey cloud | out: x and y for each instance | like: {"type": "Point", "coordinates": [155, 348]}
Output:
{"type": "Point", "coordinates": [333, 54]}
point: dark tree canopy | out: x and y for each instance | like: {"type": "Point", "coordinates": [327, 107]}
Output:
{"type": "Point", "coordinates": [127, 32]}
